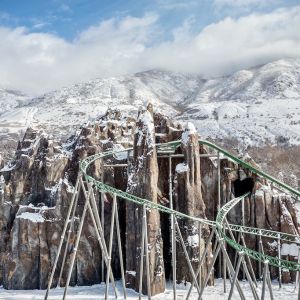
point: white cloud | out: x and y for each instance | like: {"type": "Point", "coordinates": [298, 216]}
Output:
{"type": "Point", "coordinates": [231, 44]}
{"type": "Point", "coordinates": [37, 62]}
{"type": "Point", "coordinates": [40, 25]}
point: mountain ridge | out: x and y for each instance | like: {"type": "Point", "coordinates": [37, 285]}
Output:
{"type": "Point", "coordinates": [235, 106]}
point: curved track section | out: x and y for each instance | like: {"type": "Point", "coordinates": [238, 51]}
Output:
{"type": "Point", "coordinates": [221, 217]}
{"type": "Point", "coordinates": [273, 261]}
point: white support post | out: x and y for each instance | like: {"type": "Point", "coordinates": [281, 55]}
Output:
{"type": "Point", "coordinates": [102, 217]}
{"type": "Point", "coordinates": [76, 190]}
{"type": "Point", "coordinates": [142, 260]}
{"type": "Point", "coordinates": [71, 228]}
{"type": "Point", "coordinates": [173, 234]}
{"type": "Point", "coordinates": [263, 292]}
{"type": "Point", "coordinates": [279, 257]}
{"type": "Point", "coordinates": [147, 252]}
{"type": "Point", "coordinates": [202, 259]}
{"type": "Point", "coordinates": [260, 250]}
{"type": "Point", "coordinates": [243, 224]}
{"type": "Point", "coordinates": [111, 235]}
{"type": "Point", "coordinates": [297, 281]}
{"type": "Point", "coordinates": [94, 213]}
{"type": "Point", "coordinates": [199, 256]}
{"type": "Point", "coordinates": [235, 277]}
{"type": "Point", "coordinates": [76, 244]}
{"type": "Point", "coordinates": [120, 251]}
{"type": "Point", "coordinates": [210, 268]}
{"type": "Point", "coordinates": [219, 206]}
{"type": "Point", "coordinates": [186, 256]}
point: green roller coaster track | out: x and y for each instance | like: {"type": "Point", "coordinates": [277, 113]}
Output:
{"type": "Point", "coordinates": [219, 223]}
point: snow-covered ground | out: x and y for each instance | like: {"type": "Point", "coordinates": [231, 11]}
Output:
{"type": "Point", "coordinates": [97, 292]}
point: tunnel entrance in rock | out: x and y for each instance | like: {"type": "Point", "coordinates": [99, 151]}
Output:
{"type": "Point", "coordinates": [166, 236]}
{"type": "Point", "coordinates": [241, 187]}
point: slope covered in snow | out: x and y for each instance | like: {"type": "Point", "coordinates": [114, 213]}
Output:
{"type": "Point", "coordinates": [10, 99]}
{"type": "Point", "coordinates": [259, 105]}
{"type": "Point", "coordinates": [279, 79]}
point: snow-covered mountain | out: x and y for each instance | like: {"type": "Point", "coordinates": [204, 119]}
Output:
{"type": "Point", "coordinates": [257, 105]}
{"type": "Point", "coordinates": [10, 99]}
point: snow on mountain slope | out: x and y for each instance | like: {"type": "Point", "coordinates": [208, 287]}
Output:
{"type": "Point", "coordinates": [257, 105]}
{"type": "Point", "coordinates": [279, 79]}
{"type": "Point", "coordinates": [10, 99]}
{"type": "Point", "coordinates": [265, 121]}
{"type": "Point", "coordinates": [85, 101]}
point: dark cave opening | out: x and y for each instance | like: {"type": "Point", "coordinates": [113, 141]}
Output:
{"type": "Point", "coordinates": [166, 236]}
{"type": "Point", "coordinates": [241, 187]}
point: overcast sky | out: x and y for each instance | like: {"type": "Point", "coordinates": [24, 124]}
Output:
{"type": "Point", "coordinates": [45, 45]}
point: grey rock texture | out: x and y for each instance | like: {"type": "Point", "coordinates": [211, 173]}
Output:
{"type": "Point", "coordinates": [37, 185]}
{"type": "Point", "coordinates": [142, 182]}
{"type": "Point", "coordinates": [188, 200]}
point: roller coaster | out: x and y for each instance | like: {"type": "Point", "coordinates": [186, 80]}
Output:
{"type": "Point", "coordinates": [222, 234]}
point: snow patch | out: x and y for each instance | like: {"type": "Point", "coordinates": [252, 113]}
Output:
{"type": "Point", "coordinates": [181, 168]}
{"type": "Point", "coordinates": [189, 130]}
{"type": "Point", "coordinates": [7, 168]}
{"type": "Point", "coordinates": [147, 129]}
{"type": "Point", "coordinates": [193, 240]}
{"type": "Point", "coordinates": [33, 217]}
{"type": "Point", "coordinates": [290, 249]}
{"type": "Point", "coordinates": [119, 155]}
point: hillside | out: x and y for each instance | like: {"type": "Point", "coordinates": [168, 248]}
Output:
{"type": "Point", "coordinates": [257, 106]}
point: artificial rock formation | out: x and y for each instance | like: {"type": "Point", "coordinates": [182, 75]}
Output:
{"type": "Point", "coordinates": [265, 207]}
{"type": "Point", "coordinates": [188, 200]}
{"type": "Point", "coordinates": [37, 186]}
{"type": "Point", "coordinates": [36, 194]}
{"type": "Point", "coordinates": [142, 182]}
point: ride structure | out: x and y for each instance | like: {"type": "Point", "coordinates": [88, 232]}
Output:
{"type": "Point", "coordinates": [223, 235]}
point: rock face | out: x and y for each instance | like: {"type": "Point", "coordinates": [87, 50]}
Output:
{"type": "Point", "coordinates": [280, 215]}
{"type": "Point", "coordinates": [142, 182]}
{"type": "Point", "coordinates": [36, 194]}
{"type": "Point", "coordinates": [37, 185]}
{"type": "Point", "coordinates": [188, 200]}
{"type": "Point", "coordinates": [265, 208]}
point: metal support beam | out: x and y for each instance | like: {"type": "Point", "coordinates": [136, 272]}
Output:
{"type": "Point", "coordinates": [76, 190]}
{"type": "Point", "coordinates": [120, 251]}
{"type": "Point", "coordinates": [279, 256]}
{"type": "Point", "coordinates": [199, 256]}
{"type": "Point", "coordinates": [263, 291]}
{"type": "Point", "coordinates": [202, 259]}
{"type": "Point", "coordinates": [76, 244]}
{"type": "Point", "coordinates": [210, 268]}
{"type": "Point", "coordinates": [71, 228]}
{"type": "Point", "coordinates": [142, 260]}
{"type": "Point", "coordinates": [219, 206]}
{"type": "Point", "coordinates": [235, 277]}
{"type": "Point", "coordinates": [111, 235]}
{"type": "Point", "coordinates": [173, 233]}
{"type": "Point", "coordinates": [147, 252]}
{"type": "Point", "coordinates": [94, 213]}
{"type": "Point", "coordinates": [186, 255]}
{"type": "Point", "coordinates": [115, 166]}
